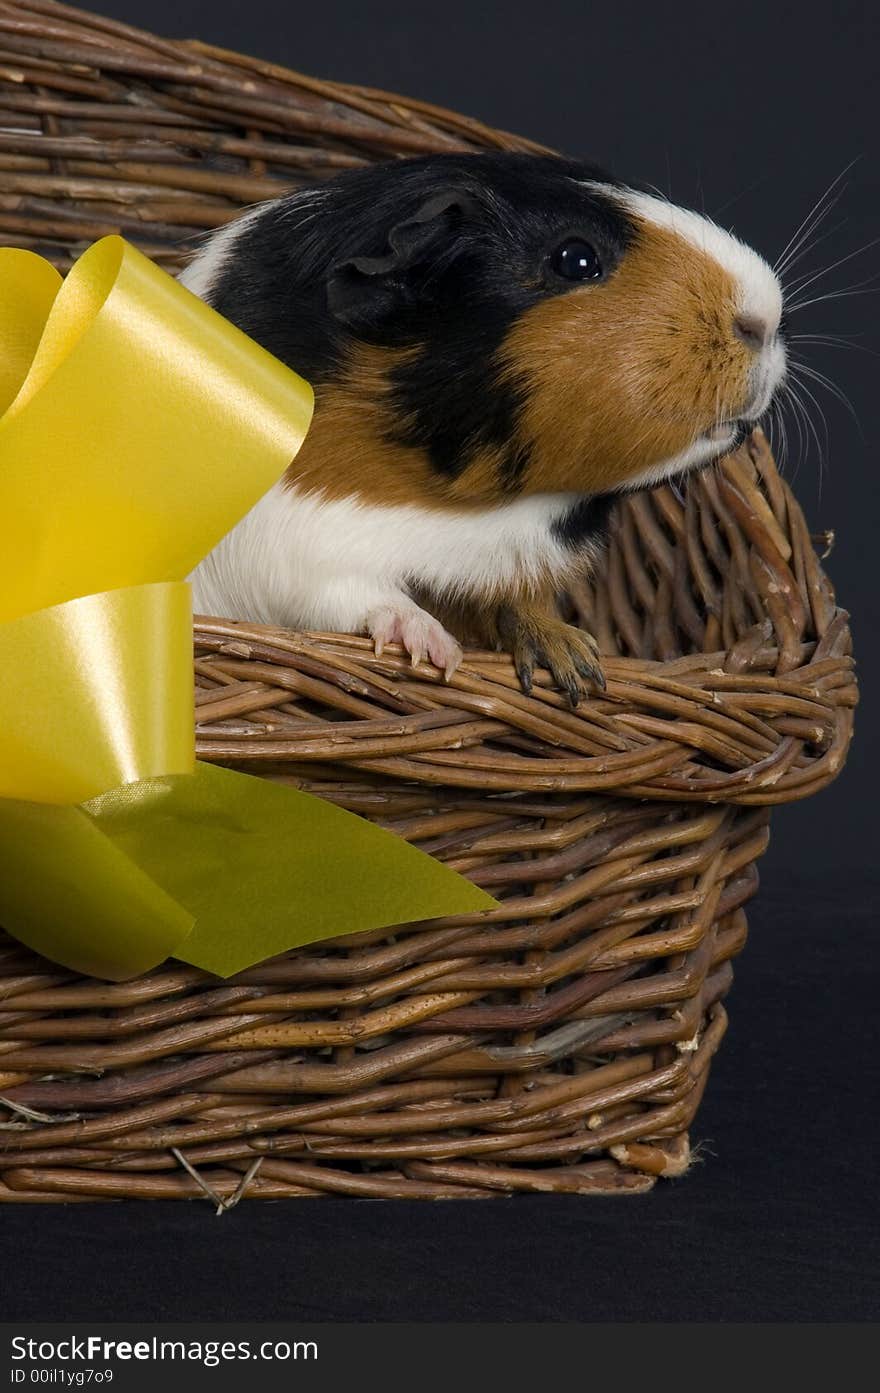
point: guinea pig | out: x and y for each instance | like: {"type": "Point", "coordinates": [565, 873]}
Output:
{"type": "Point", "coordinates": [500, 346]}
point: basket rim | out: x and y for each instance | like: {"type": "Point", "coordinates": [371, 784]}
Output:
{"type": "Point", "coordinates": [767, 720]}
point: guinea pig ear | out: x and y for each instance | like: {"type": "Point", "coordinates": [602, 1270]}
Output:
{"type": "Point", "coordinates": [362, 290]}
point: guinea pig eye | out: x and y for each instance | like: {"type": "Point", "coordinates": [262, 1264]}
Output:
{"type": "Point", "coordinates": [576, 260]}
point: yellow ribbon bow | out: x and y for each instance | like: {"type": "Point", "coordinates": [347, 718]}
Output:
{"type": "Point", "coordinates": [136, 427]}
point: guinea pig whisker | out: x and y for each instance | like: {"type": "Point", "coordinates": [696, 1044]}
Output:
{"type": "Point", "coordinates": [770, 425]}
{"type": "Point", "coordinates": [774, 424]}
{"type": "Point", "coordinates": [816, 212]}
{"type": "Point", "coordinates": [783, 431]}
{"type": "Point", "coordinates": [829, 386]}
{"type": "Point", "coordinates": [802, 282]}
{"type": "Point", "coordinates": [798, 391]}
{"type": "Point", "coordinates": [860, 288]}
{"type": "Point", "coordinates": [819, 210]}
{"type": "Point", "coordinates": [787, 399]}
{"type": "Point", "coordinates": [821, 452]}
{"type": "Point", "coordinates": [804, 432]}
{"type": "Point", "coordinates": [819, 408]}
{"type": "Point", "coordinates": [809, 241]}
{"type": "Point", "coordinates": [809, 247]}
{"type": "Point", "coordinates": [829, 340]}
{"type": "Point", "coordinates": [790, 397]}
{"type": "Point", "coordinates": [834, 341]}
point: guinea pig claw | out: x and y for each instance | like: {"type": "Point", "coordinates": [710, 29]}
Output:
{"type": "Point", "coordinates": [524, 676]}
{"type": "Point", "coordinates": [419, 633]}
{"type": "Point", "coordinates": [573, 692]}
{"type": "Point", "coordinates": [591, 671]}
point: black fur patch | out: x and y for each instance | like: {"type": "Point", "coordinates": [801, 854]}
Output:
{"type": "Point", "coordinates": [586, 521]}
{"type": "Point", "coordinates": [448, 284]}
{"type": "Point", "coordinates": [272, 289]}
{"type": "Point", "coordinates": [451, 406]}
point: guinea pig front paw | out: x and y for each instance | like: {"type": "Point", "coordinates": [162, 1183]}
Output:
{"type": "Point", "coordinates": [570, 655]}
{"type": "Point", "coordinates": [419, 633]}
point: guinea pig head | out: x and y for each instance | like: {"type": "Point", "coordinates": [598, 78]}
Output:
{"type": "Point", "coordinates": [656, 360]}
{"type": "Point", "coordinates": [537, 327]}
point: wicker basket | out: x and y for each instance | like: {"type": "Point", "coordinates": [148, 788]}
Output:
{"type": "Point", "coordinates": [560, 1044]}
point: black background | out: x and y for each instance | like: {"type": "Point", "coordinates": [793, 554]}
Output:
{"type": "Point", "coordinates": [749, 111]}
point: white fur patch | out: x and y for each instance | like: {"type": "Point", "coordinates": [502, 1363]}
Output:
{"type": "Point", "coordinates": [201, 273]}
{"type": "Point", "coordinates": [308, 562]}
{"type": "Point", "coordinates": [697, 454]}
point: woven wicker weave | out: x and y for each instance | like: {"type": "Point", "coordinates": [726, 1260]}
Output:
{"type": "Point", "coordinates": [561, 1043]}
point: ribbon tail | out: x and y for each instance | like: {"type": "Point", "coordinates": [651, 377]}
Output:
{"type": "Point", "coordinates": [263, 868]}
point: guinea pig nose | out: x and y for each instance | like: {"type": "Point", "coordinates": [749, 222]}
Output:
{"type": "Point", "coordinates": [752, 329]}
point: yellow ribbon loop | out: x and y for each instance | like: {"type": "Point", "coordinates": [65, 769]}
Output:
{"type": "Point", "coordinates": [97, 692]}
{"type": "Point", "coordinates": [137, 428]}
{"type": "Point", "coordinates": [145, 428]}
